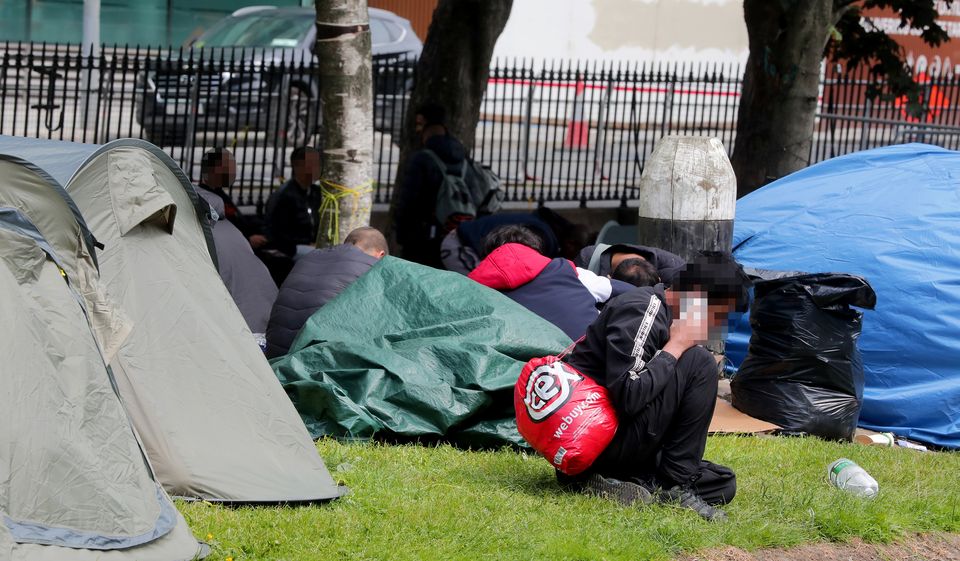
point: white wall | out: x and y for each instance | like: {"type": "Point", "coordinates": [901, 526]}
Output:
{"type": "Point", "coordinates": [627, 30]}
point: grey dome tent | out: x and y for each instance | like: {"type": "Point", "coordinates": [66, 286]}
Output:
{"type": "Point", "coordinates": [74, 482]}
{"type": "Point", "coordinates": [213, 418]}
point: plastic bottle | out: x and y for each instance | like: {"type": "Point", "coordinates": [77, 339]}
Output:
{"type": "Point", "coordinates": [847, 475]}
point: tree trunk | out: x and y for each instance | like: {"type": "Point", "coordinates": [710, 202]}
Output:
{"type": "Point", "coordinates": [780, 88]}
{"type": "Point", "coordinates": [454, 66]}
{"type": "Point", "coordinates": [346, 92]}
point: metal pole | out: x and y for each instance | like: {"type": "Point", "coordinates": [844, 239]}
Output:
{"type": "Point", "coordinates": [90, 50]}
{"type": "Point", "coordinates": [527, 126]}
{"type": "Point", "coordinates": [601, 149]}
{"type": "Point", "coordinates": [29, 22]}
{"type": "Point", "coordinates": [865, 127]}
{"type": "Point", "coordinates": [169, 23]}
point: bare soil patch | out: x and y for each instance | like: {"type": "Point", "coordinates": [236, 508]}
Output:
{"type": "Point", "coordinates": [924, 547]}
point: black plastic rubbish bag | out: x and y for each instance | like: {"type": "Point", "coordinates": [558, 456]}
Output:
{"type": "Point", "coordinates": [803, 370]}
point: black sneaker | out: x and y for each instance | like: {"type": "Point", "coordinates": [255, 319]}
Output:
{"type": "Point", "coordinates": [624, 492]}
{"type": "Point", "coordinates": [685, 497]}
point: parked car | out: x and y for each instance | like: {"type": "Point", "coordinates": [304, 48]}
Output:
{"type": "Point", "coordinates": [255, 70]}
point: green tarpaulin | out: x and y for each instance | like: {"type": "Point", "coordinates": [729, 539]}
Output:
{"type": "Point", "coordinates": [409, 351]}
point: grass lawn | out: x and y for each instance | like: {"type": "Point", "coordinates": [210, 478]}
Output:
{"type": "Point", "coordinates": [415, 502]}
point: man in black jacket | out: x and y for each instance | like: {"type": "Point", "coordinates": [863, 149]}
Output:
{"type": "Point", "coordinates": [418, 230]}
{"type": "Point", "coordinates": [645, 350]}
{"type": "Point", "coordinates": [292, 210]}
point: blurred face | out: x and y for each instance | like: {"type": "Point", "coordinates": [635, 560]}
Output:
{"type": "Point", "coordinates": [616, 258]}
{"type": "Point", "coordinates": [710, 315]}
{"type": "Point", "coordinates": [419, 122]}
{"type": "Point", "coordinates": [227, 170]}
{"type": "Point", "coordinates": [718, 313]}
{"type": "Point", "coordinates": [308, 170]}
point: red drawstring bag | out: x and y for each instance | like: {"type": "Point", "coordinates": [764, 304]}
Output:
{"type": "Point", "coordinates": [564, 415]}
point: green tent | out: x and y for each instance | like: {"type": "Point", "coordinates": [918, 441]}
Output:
{"type": "Point", "coordinates": [408, 351]}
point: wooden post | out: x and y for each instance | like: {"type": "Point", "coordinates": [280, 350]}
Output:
{"type": "Point", "coordinates": [688, 195]}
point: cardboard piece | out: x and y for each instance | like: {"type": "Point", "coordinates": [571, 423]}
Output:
{"type": "Point", "coordinates": [873, 438]}
{"type": "Point", "coordinates": [727, 419]}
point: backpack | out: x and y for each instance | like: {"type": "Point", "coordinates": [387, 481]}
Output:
{"type": "Point", "coordinates": [473, 190]}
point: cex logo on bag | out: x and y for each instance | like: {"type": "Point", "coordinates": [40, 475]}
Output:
{"type": "Point", "coordinates": [564, 415]}
{"type": "Point", "coordinates": [548, 389]}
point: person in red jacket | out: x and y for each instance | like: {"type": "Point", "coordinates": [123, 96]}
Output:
{"type": "Point", "coordinates": [554, 289]}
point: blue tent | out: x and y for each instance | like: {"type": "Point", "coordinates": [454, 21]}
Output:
{"type": "Point", "coordinates": [892, 216]}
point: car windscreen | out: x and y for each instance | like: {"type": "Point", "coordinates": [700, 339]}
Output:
{"type": "Point", "coordinates": [258, 30]}
{"type": "Point", "coordinates": [379, 34]}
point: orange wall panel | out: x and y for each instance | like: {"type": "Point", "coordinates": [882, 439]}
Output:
{"type": "Point", "coordinates": [418, 12]}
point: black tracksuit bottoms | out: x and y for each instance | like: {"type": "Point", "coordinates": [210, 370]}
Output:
{"type": "Point", "coordinates": [664, 444]}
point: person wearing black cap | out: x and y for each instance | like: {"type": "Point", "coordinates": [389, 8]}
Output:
{"type": "Point", "coordinates": [645, 349]}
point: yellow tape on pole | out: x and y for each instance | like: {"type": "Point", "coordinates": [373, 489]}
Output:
{"type": "Point", "coordinates": [331, 196]}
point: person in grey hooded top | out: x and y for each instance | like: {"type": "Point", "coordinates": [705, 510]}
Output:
{"type": "Point", "coordinates": [317, 278]}
{"type": "Point", "coordinates": [245, 276]}
{"type": "Point", "coordinates": [603, 259]}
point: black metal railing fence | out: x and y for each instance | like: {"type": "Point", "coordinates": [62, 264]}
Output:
{"type": "Point", "coordinates": [554, 131]}
{"type": "Point", "coordinates": [850, 120]}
